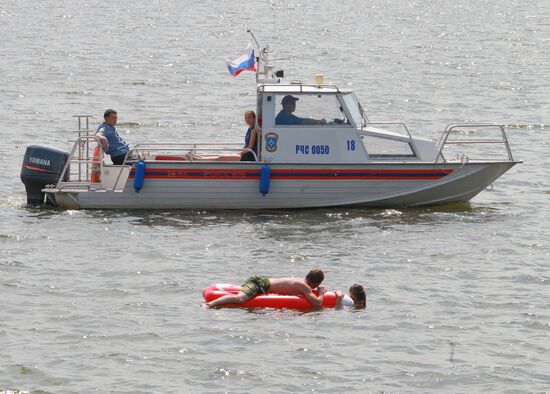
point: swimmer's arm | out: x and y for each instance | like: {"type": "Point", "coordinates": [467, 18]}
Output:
{"type": "Point", "coordinates": [315, 301]}
{"type": "Point", "coordinates": [339, 298]}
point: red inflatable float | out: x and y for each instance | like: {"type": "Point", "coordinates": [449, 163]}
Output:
{"type": "Point", "coordinates": [268, 300]}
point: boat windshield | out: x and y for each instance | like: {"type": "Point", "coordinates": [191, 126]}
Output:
{"type": "Point", "coordinates": [309, 109]}
{"type": "Point", "coordinates": [356, 112]}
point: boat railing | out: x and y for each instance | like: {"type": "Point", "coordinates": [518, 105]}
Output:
{"type": "Point", "coordinates": [183, 145]}
{"type": "Point", "coordinates": [81, 154]}
{"type": "Point", "coordinates": [299, 87]}
{"type": "Point", "coordinates": [187, 150]}
{"type": "Point", "coordinates": [444, 141]}
{"type": "Point", "coordinates": [144, 151]}
{"type": "Point", "coordinates": [407, 135]}
{"type": "Point", "coordinates": [73, 187]}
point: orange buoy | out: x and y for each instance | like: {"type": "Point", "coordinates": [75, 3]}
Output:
{"type": "Point", "coordinates": [96, 165]}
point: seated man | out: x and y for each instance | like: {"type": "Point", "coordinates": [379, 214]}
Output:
{"type": "Point", "coordinates": [285, 117]}
{"type": "Point", "coordinates": [285, 286]}
{"type": "Point", "coordinates": [109, 139]}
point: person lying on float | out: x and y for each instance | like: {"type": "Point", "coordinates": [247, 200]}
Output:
{"type": "Point", "coordinates": [284, 286]}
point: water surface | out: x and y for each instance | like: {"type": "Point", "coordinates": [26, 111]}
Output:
{"type": "Point", "coordinates": [108, 301]}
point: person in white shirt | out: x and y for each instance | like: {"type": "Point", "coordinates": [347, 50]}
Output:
{"type": "Point", "coordinates": [356, 297]}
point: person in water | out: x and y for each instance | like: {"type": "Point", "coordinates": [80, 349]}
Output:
{"type": "Point", "coordinates": [110, 140]}
{"type": "Point", "coordinates": [357, 297]}
{"type": "Point", "coordinates": [285, 286]}
{"type": "Point", "coordinates": [287, 118]}
{"type": "Point", "coordinates": [250, 144]}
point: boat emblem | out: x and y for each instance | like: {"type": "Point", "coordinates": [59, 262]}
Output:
{"type": "Point", "coordinates": [271, 140]}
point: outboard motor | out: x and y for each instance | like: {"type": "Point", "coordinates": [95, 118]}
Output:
{"type": "Point", "coordinates": [42, 166]}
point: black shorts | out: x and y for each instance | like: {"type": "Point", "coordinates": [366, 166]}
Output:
{"type": "Point", "coordinates": [118, 160]}
{"type": "Point", "coordinates": [248, 156]}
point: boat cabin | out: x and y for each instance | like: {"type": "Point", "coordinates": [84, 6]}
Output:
{"type": "Point", "coordinates": [322, 124]}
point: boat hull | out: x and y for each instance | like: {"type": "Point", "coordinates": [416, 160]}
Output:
{"type": "Point", "coordinates": [236, 186]}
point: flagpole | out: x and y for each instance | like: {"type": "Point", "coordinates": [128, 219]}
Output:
{"type": "Point", "coordinates": [255, 41]}
{"type": "Point", "coordinates": [260, 52]}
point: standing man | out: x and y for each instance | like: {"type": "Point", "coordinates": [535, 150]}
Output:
{"type": "Point", "coordinates": [109, 139]}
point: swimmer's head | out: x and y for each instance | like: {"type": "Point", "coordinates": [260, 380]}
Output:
{"type": "Point", "coordinates": [358, 295]}
{"type": "Point", "coordinates": [315, 277]}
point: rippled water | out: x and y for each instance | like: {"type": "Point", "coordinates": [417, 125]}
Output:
{"type": "Point", "coordinates": [458, 296]}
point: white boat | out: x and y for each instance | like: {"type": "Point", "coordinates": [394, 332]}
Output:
{"type": "Point", "coordinates": [348, 161]}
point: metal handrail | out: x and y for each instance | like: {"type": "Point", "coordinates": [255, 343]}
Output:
{"type": "Point", "coordinates": [411, 140]}
{"type": "Point", "coordinates": [135, 152]}
{"type": "Point", "coordinates": [191, 148]}
{"type": "Point", "coordinates": [443, 141]}
{"type": "Point", "coordinates": [73, 186]}
{"type": "Point", "coordinates": [148, 147]}
{"type": "Point", "coordinates": [301, 85]}
{"type": "Point", "coordinates": [78, 160]}
{"type": "Point", "coordinates": [82, 143]}
{"type": "Point", "coordinates": [179, 144]}
{"type": "Point", "coordinates": [83, 148]}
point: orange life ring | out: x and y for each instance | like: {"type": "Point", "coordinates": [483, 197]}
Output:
{"type": "Point", "coordinates": [96, 165]}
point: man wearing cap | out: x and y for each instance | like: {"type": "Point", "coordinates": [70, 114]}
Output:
{"type": "Point", "coordinates": [109, 139]}
{"type": "Point", "coordinates": [285, 117]}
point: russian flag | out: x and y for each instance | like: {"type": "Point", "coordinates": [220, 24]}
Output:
{"type": "Point", "coordinates": [244, 62]}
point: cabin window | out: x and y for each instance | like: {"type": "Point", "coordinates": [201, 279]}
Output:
{"type": "Point", "coordinates": [384, 147]}
{"type": "Point", "coordinates": [309, 109]}
{"type": "Point", "coordinates": [355, 110]}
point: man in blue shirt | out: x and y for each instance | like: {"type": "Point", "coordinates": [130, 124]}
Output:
{"type": "Point", "coordinates": [109, 139]}
{"type": "Point", "coordinates": [285, 117]}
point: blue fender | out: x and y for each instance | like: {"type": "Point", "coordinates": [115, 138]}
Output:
{"type": "Point", "coordinates": [139, 175]}
{"type": "Point", "coordinates": [265, 179]}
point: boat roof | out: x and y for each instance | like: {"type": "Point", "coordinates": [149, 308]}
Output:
{"type": "Point", "coordinates": [301, 88]}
